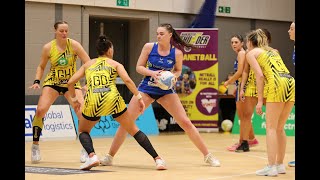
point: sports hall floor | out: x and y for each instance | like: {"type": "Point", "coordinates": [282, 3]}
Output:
{"type": "Point", "coordinates": [183, 159]}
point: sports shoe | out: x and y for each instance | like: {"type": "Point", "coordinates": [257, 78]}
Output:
{"type": "Point", "coordinates": [253, 142]}
{"type": "Point", "coordinates": [268, 171]}
{"type": "Point", "coordinates": [83, 155]}
{"type": "Point", "coordinates": [160, 164]}
{"type": "Point", "coordinates": [244, 147]}
{"type": "Point", "coordinates": [35, 153]}
{"type": "Point", "coordinates": [211, 160]}
{"type": "Point", "coordinates": [233, 147]}
{"type": "Point", "coordinates": [281, 169]}
{"type": "Point", "coordinates": [292, 164]}
{"type": "Point", "coordinates": [106, 160]}
{"type": "Point", "coordinates": [90, 162]}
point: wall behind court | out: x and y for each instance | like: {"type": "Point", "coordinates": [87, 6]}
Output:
{"type": "Point", "coordinates": [40, 17]}
{"type": "Point", "coordinates": [283, 10]}
{"type": "Point", "coordinates": [230, 26]}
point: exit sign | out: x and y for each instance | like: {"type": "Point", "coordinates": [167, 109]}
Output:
{"type": "Point", "coordinates": [123, 3]}
{"type": "Point", "coordinates": [224, 9]}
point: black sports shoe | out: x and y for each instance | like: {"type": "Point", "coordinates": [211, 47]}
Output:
{"type": "Point", "coordinates": [244, 147]}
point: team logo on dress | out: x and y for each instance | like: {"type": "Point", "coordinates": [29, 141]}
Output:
{"type": "Point", "coordinates": [170, 61]}
{"type": "Point", "coordinates": [160, 60]}
{"type": "Point", "coordinates": [62, 61]}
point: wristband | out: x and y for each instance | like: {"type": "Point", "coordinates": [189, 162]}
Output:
{"type": "Point", "coordinates": [139, 96]}
{"type": "Point", "coordinates": [74, 99]}
{"type": "Point", "coordinates": [37, 81]}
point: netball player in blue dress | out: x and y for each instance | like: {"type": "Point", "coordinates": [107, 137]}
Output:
{"type": "Point", "coordinates": [154, 58]}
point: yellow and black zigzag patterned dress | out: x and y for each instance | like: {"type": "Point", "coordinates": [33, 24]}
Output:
{"type": "Point", "coordinates": [63, 66]}
{"type": "Point", "coordinates": [279, 84]}
{"type": "Point", "coordinates": [102, 97]}
{"type": "Point", "coordinates": [251, 86]}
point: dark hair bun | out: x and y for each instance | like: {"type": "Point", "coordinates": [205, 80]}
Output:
{"type": "Point", "coordinates": [102, 38]}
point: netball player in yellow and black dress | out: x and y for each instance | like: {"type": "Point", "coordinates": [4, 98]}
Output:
{"type": "Point", "coordinates": [103, 98]}
{"type": "Point", "coordinates": [248, 94]}
{"type": "Point", "coordinates": [277, 86]}
{"type": "Point", "coordinates": [62, 52]}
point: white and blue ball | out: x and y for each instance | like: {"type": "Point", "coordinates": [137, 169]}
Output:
{"type": "Point", "coordinates": [166, 80]}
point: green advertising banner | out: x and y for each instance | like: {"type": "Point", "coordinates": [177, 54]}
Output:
{"type": "Point", "coordinates": [259, 123]}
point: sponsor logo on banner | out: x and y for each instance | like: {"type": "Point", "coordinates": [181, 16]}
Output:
{"type": "Point", "coordinates": [197, 87]}
{"type": "Point", "coordinates": [107, 126]}
{"type": "Point", "coordinates": [259, 123]}
{"type": "Point", "coordinates": [57, 123]}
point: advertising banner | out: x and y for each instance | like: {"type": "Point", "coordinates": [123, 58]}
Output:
{"type": "Point", "coordinates": [197, 86]}
{"type": "Point", "coordinates": [58, 123]}
{"type": "Point", "coordinates": [259, 123]}
{"type": "Point", "coordinates": [107, 126]}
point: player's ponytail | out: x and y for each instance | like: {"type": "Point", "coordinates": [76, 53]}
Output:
{"type": "Point", "coordinates": [175, 37]}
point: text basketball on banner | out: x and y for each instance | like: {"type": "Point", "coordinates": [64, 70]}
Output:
{"type": "Point", "coordinates": [197, 86]}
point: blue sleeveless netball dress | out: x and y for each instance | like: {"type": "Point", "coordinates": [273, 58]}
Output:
{"type": "Point", "coordinates": [157, 62]}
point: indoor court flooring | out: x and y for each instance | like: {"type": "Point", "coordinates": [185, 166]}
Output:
{"type": "Point", "coordinates": [60, 160]}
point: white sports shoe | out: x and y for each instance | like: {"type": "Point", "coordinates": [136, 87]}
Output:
{"type": "Point", "coordinates": [211, 160]}
{"type": "Point", "coordinates": [90, 162]}
{"type": "Point", "coordinates": [35, 153]}
{"type": "Point", "coordinates": [268, 171]}
{"type": "Point", "coordinates": [281, 169]}
{"type": "Point", "coordinates": [83, 155]}
{"type": "Point", "coordinates": [160, 164]}
{"type": "Point", "coordinates": [106, 160]}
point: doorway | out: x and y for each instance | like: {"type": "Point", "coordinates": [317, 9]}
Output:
{"type": "Point", "coordinates": [118, 32]}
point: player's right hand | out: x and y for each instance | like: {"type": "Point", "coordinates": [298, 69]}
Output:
{"type": "Point", "coordinates": [241, 95]}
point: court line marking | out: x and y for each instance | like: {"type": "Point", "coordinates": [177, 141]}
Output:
{"type": "Point", "coordinates": [225, 177]}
